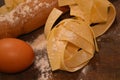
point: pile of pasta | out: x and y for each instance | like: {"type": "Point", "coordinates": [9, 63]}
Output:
{"type": "Point", "coordinates": [9, 5]}
{"type": "Point", "coordinates": [72, 42]}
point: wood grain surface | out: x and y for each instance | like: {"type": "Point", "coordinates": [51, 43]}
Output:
{"type": "Point", "coordinates": [105, 65]}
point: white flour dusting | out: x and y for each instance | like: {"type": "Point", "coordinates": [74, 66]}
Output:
{"type": "Point", "coordinates": [41, 62]}
{"type": "Point", "coordinates": [39, 43]}
{"type": "Point", "coordinates": [23, 10]}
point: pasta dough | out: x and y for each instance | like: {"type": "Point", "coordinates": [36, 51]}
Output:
{"type": "Point", "coordinates": [9, 5]}
{"type": "Point", "coordinates": [71, 43]}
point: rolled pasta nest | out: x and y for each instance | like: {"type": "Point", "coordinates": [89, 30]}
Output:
{"type": "Point", "coordinates": [72, 42]}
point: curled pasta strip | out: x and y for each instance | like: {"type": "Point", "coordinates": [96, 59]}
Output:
{"type": "Point", "coordinates": [9, 5]}
{"type": "Point", "coordinates": [71, 43]}
{"type": "Point", "coordinates": [102, 27]}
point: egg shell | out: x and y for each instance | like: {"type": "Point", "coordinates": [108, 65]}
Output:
{"type": "Point", "coordinates": [15, 55]}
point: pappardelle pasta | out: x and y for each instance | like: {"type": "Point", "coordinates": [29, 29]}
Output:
{"type": "Point", "coordinates": [71, 43]}
{"type": "Point", "coordinates": [9, 5]}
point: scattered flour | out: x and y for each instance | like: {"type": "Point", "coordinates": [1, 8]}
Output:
{"type": "Point", "coordinates": [23, 10]}
{"type": "Point", "coordinates": [39, 43]}
{"type": "Point", "coordinates": [41, 62]}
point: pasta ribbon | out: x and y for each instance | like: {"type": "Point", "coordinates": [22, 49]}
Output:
{"type": "Point", "coordinates": [71, 43]}
{"type": "Point", "coordinates": [9, 5]}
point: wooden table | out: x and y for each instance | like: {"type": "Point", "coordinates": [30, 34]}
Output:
{"type": "Point", "coordinates": [104, 66]}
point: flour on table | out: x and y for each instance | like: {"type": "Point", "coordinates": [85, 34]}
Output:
{"type": "Point", "coordinates": [41, 59]}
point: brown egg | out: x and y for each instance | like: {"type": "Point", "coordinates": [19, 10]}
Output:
{"type": "Point", "coordinates": [15, 55]}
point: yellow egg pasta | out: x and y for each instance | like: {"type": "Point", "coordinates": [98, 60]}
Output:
{"type": "Point", "coordinates": [71, 43]}
{"type": "Point", "coordinates": [101, 28]}
{"type": "Point", "coordinates": [51, 20]}
{"type": "Point", "coordinates": [9, 5]}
